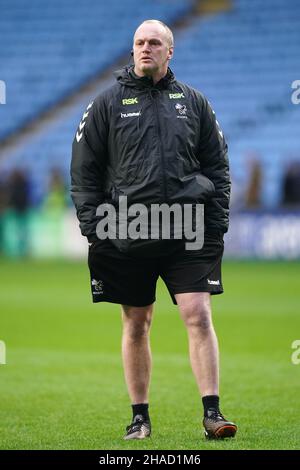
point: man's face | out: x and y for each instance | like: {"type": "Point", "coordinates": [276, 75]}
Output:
{"type": "Point", "coordinates": [151, 49]}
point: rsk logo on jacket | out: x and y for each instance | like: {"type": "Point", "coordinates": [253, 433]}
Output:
{"type": "Point", "coordinates": [130, 101]}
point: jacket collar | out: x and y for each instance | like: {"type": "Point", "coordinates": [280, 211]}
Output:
{"type": "Point", "coordinates": [127, 76]}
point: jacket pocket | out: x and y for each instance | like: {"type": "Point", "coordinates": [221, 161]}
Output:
{"type": "Point", "coordinates": [194, 188]}
{"type": "Point", "coordinates": [206, 184]}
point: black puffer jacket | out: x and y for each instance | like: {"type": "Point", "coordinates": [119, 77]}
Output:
{"type": "Point", "coordinates": [154, 144]}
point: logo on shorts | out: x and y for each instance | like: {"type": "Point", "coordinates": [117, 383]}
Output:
{"type": "Point", "coordinates": [97, 286]}
{"type": "Point", "coordinates": [213, 283]}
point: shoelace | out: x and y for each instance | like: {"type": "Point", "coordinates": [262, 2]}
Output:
{"type": "Point", "coordinates": [216, 415]}
{"type": "Point", "coordinates": [135, 426]}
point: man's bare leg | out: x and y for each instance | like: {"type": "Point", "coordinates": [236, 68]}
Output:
{"type": "Point", "coordinates": [195, 310]}
{"type": "Point", "coordinates": [136, 351]}
{"type": "Point", "coordinates": [137, 363]}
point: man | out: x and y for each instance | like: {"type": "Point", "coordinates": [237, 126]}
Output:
{"type": "Point", "coordinates": [155, 140]}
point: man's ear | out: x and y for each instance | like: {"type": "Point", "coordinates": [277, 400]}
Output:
{"type": "Point", "coordinates": [171, 51]}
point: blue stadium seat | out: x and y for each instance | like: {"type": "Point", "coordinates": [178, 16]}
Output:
{"type": "Point", "coordinates": [243, 60]}
{"type": "Point", "coordinates": [49, 49]}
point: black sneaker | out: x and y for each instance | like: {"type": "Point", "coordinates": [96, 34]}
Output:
{"type": "Point", "coordinates": [138, 429]}
{"type": "Point", "coordinates": [216, 426]}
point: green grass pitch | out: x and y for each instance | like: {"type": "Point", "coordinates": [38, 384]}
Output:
{"type": "Point", "coordinates": [63, 384]}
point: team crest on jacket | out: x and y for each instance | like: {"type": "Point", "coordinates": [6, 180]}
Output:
{"type": "Point", "coordinates": [181, 109]}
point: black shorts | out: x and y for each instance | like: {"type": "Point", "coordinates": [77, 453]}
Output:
{"type": "Point", "coordinates": [131, 280]}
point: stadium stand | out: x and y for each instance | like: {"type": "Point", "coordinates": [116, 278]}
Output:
{"type": "Point", "coordinates": [244, 60]}
{"type": "Point", "coordinates": [49, 49]}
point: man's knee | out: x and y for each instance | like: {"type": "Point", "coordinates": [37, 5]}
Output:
{"type": "Point", "coordinates": [137, 320]}
{"type": "Point", "coordinates": [196, 313]}
{"type": "Point", "coordinates": [199, 319]}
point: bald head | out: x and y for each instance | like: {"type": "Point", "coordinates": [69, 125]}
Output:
{"type": "Point", "coordinates": [152, 49]}
{"type": "Point", "coordinates": [163, 27]}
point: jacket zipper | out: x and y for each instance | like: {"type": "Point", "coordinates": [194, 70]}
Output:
{"type": "Point", "coordinates": [162, 159]}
